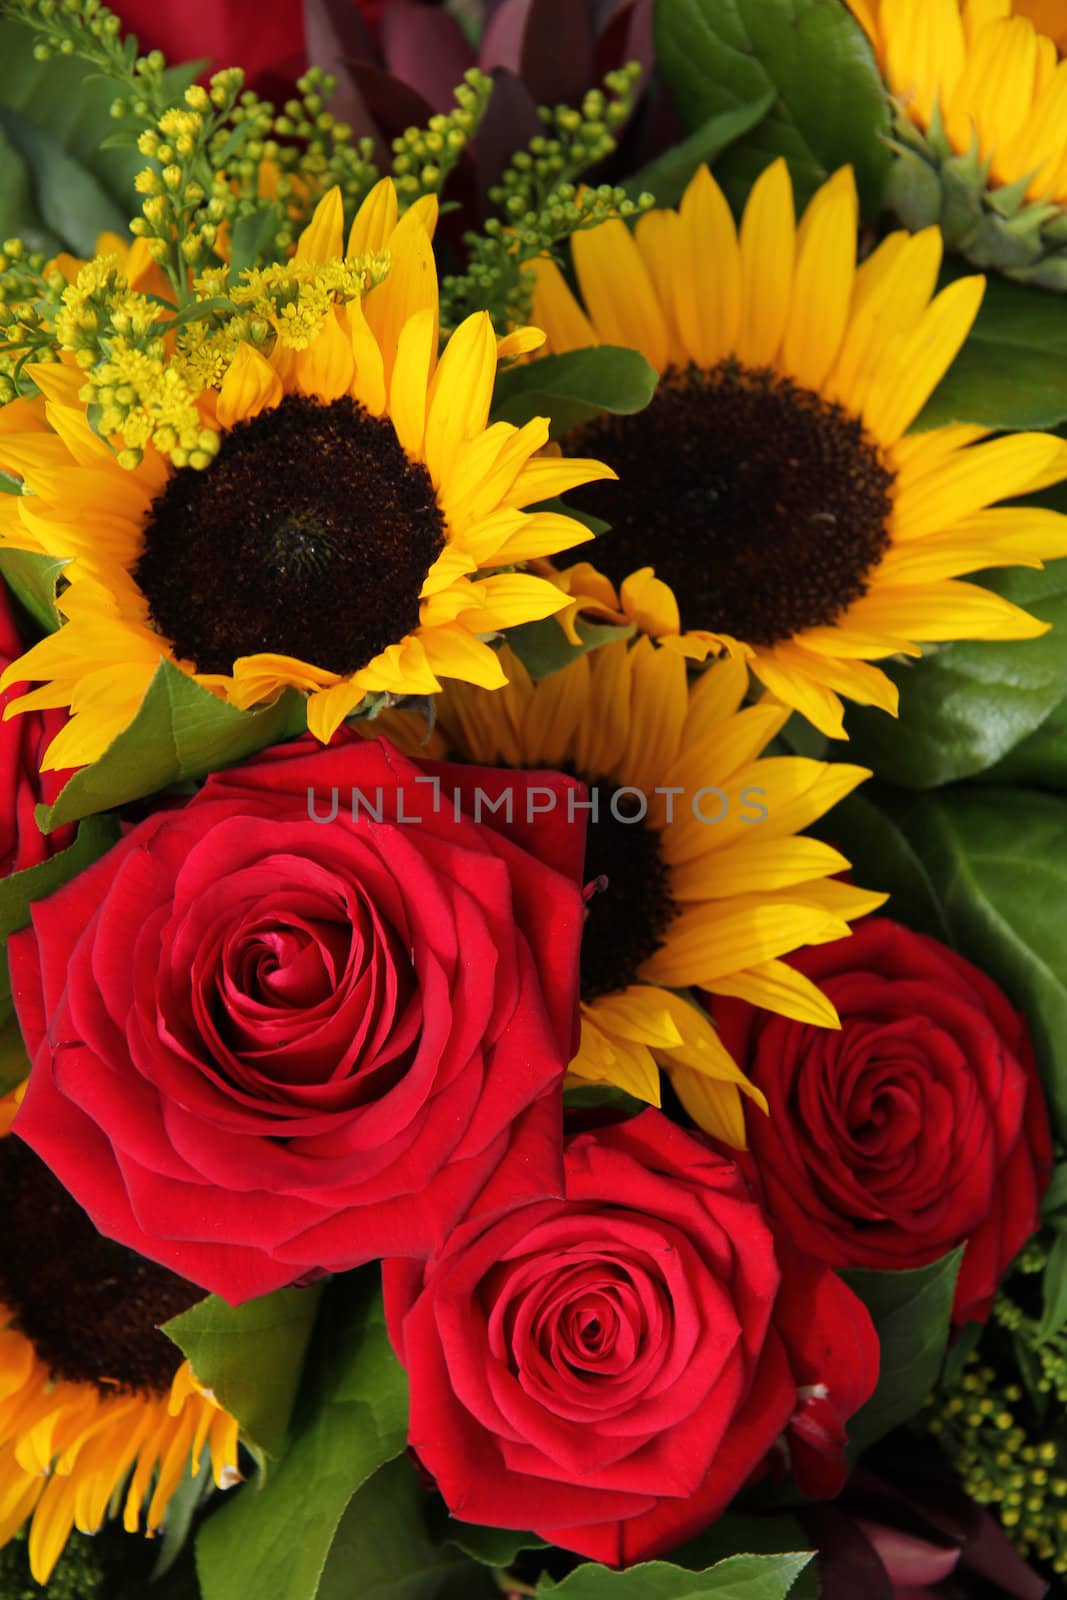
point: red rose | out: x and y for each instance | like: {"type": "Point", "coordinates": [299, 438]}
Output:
{"type": "Point", "coordinates": [611, 1368]}
{"type": "Point", "coordinates": [23, 742]}
{"type": "Point", "coordinates": [919, 1126]}
{"type": "Point", "coordinates": [264, 1044]}
{"type": "Point", "coordinates": [267, 41]}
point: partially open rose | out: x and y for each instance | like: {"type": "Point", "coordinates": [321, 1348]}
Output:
{"type": "Point", "coordinates": [919, 1126]}
{"type": "Point", "coordinates": [264, 1045]}
{"type": "Point", "coordinates": [611, 1368]}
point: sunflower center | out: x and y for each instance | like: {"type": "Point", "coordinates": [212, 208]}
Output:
{"type": "Point", "coordinates": [90, 1307]}
{"type": "Point", "coordinates": [309, 535]}
{"type": "Point", "coordinates": [632, 908]}
{"type": "Point", "coordinates": [762, 505]}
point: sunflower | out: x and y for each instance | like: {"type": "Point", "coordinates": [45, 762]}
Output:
{"type": "Point", "coordinates": [356, 497]}
{"type": "Point", "coordinates": [985, 70]}
{"type": "Point", "coordinates": [697, 878]}
{"type": "Point", "coordinates": [773, 506]}
{"type": "Point", "coordinates": [98, 1411]}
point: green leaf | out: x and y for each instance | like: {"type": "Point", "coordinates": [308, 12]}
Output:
{"type": "Point", "coordinates": [1012, 371]}
{"type": "Point", "coordinates": [668, 175]}
{"type": "Point", "coordinates": [19, 217]}
{"type": "Point", "coordinates": [180, 731]}
{"type": "Point", "coordinates": [14, 1062]}
{"type": "Point", "coordinates": [350, 1418]}
{"type": "Point", "coordinates": [911, 1312]}
{"type": "Point", "coordinates": [251, 1356]}
{"type": "Point", "coordinates": [741, 1577]}
{"type": "Point", "coordinates": [581, 1096]}
{"type": "Point", "coordinates": [69, 198]}
{"type": "Point", "coordinates": [1054, 1290]}
{"type": "Point", "coordinates": [965, 706]}
{"type": "Point", "coordinates": [1056, 1194]}
{"type": "Point", "coordinates": [965, 1343]}
{"type": "Point", "coordinates": [1041, 759]}
{"type": "Point", "coordinates": [492, 1547]}
{"type": "Point", "coordinates": [768, 1535]}
{"type": "Point", "coordinates": [543, 647]}
{"type": "Point", "coordinates": [71, 102]}
{"type": "Point", "coordinates": [383, 1550]}
{"type": "Point", "coordinates": [864, 827]}
{"type": "Point", "coordinates": [998, 861]}
{"type": "Point", "coordinates": [182, 1508]}
{"type": "Point", "coordinates": [574, 388]}
{"type": "Point", "coordinates": [19, 889]}
{"type": "Point", "coordinates": [32, 578]}
{"type": "Point", "coordinates": [830, 108]}
{"type": "Point", "coordinates": [253, 239]}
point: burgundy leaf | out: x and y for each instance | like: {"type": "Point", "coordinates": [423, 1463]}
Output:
{"type": "Point", "coordinates": [547, 43]}
{"type": "Point", "coordinates": [510, 122]}
{"type": "Point", "coordinates": [848, 1565]}
{"type": "Point", "coordinates": [906, 1559]}
{"type": "Point", "coordinates": [394, 105]}
{"type": "Point", "coordinates": [426, 48]}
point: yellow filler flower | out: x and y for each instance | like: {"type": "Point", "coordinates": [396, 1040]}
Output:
{"type": "Point", "coordinates": [99, 1414]}
{"type": "Point", "coordinates": [338, 540]}
{"type": "Point", "coordinates": [697, 877]}
{"type": "Point", "coordinates": [979, 90]}
{"type": "Point", "coordinates": [773, 504]}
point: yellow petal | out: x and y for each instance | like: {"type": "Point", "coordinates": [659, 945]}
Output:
{"type": "Point", "coordinates": [411, 376]}
{"type": "Point", "coordinates": [323, 237]}
{"type": "Point", "coordinates": [775, 986]}
{"type": "Point", "coordinates": [410, 287]}
{"type": "Point", "coordinates": [707, 303]}
{"type": "Point", "coordinates": [768, 241]}
{"type": "Point", "coordinates": [250, 386]}
{"type": "Point", "coordinates": [461, 393]}
{"type": "Point", "coordinates": [618, 291]}
{"type": "Point", "coordinates": [822, 284]}
{"type": "Point", "coordinates": [557, 311]}
{"type": "Point", "coordinates": [375, 220]}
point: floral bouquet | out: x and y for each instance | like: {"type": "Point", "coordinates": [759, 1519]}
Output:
{"type": "Point", "coordinates": [533, 1019]}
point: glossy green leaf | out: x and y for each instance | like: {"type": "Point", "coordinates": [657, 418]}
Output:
{"type": "Point", "coordinates": [32, 578]}
{"type": "Point", "coordinates": [253, 239]}
{"type": "Point", "coordinates": [180, 731]}
{"type": "Point", "coordinates": [1012, 371]}
{"type": "Point", "coordinates": [543, 647]}
{"type": "Point", "coordinates": [1055, 1198]}
{"type": "Point", "coordinates": [966, 706]}
{"type": "Point", "coordinates": [573, 388]}
{"type": "Point", "coordinates": [829, 109]}
{"type": "Point", "coordinates": [19, 217]}
{"type": "Point", "coordinates": [14, 1062]}
{"type": "Point", "coordinates": [756, 1535]}
{"type": "Point", "coordinates": [865, 827]}
{"type": "Point", "coordinates": [19, 889]}
{"type": "Point", "coordinates": [71, 201]}
{"type": "Point", "coordinates": [384, 1551]}
{"type": "Point", "coordinates": [667, 176]}
{"type": "Point", "coordinates": [251, 1356]}
{"type": "Point", "coordinates": [350, 1418]}
{"type": "Point", "coordinates": [911, 1312]}
{"type": "Point", "coordinates": [1054, 1290]}
{"type": "Point", "coordinates": [1041, 759]}
{"type": "Point", "coordinates": [71, 103]}
{"type": "Point", "coordinates": [998, 861]}
{"type": "Point", "coordinates": [740, 1577]}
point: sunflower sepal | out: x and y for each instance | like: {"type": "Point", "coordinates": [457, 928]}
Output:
{"type": "Point", "coordinates": [993, 226]}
